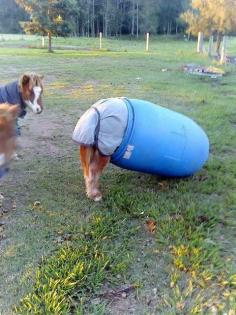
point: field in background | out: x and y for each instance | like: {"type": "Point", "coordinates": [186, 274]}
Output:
{"type": "Point", "coordinates": [110, 44]}
{"type": "Point", "coordinates": [187, 266]}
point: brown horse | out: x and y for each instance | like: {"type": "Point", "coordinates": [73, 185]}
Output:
{"type": "Point", "coordinates": [93, 164]}
{"type": "Point", "coordinates": [99, 133]}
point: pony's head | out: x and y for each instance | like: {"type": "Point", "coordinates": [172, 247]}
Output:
{"type": "Point", "coordinates": [8, 115]}
{"type": "Point", "coordinates": [31, 85]}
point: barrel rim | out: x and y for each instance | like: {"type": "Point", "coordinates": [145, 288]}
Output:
{"type": "Point", "coordinates": [128, 131]}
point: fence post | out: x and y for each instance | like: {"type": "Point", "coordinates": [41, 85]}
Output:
{"type": "Point", "coordinates": [43, 42]}
{"type": "Point", "coordinates": [147, 42]}
{"type": "Point", "coordinates": [200, 43]}
{"type": "Point", "coordinates": [100, 40]}
{"type": "Point", "coordinates": [223, 51]}
{"type": "Point", "coordinates": [210, 46]}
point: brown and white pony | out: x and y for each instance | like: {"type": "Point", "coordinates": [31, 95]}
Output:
{"type": "Point", "coordinates": [8, 116]}
{"type": "Point", "coordinates": [25, 92]}
{"type": "Point", "coordinates": [31, 88]}
{"type": "Point", "coordinates": [15, 98]}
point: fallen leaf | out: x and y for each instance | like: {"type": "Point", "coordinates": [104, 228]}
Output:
{"type": "Point", "coordinates": [151, 225]}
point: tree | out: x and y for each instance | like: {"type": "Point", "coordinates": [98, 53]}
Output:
{"type": "Point", "coordinates": [48, 17]}
{"type": "Point", "coordinates": [10, 15]}
{"type": "Point", "coordinates": [211, 17]}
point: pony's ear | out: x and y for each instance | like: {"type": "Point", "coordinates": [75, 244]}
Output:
{"type": "Point", "coordinates": [24, 79]}
{"type": "Point", "coordinates": [41, 76]}
{"type": "Point", "coordinates": [14, 111]}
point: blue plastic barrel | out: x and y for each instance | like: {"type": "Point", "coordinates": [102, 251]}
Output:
{"type": "Point", "coordinates": [160, 141]}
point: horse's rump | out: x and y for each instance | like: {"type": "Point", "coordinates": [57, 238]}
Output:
{"type": "Point", "coordinates": [103, 125]}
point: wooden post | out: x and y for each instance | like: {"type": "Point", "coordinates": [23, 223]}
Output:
{"type": "Point", "coordinates": [147, 42]}
{"type": "Point", "coordinates": [211, 39]}
{"type": "Point", "coordinates": [50, 42]}
{"type": "Point", "coordinates": [200, 43]}
{"type": "Point", "coordinates": [43, 42]}
{"type": "Point", "coordinates": [100, 40]}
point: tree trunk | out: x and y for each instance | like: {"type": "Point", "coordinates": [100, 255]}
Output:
{"type": "Point", "coordinates": [105, 19]}
{"type": "Point", "coordinates": [133, 17]}
{"type": "Point", "coordinates": [137, 20]}
{"type": "Point", "coordinates": [218, 42]}
{"type": "Point", "coordinates": [210, 46]}
{"type": "Point", "coordinates": [49, 42]}
{"type": "Point", "coordinates": [93, 21]}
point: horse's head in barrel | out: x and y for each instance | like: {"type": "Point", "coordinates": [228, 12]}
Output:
{"type": "Point", "coordinates": [31, 87]}
{"type": "Point", "coordinates": [8, 116]}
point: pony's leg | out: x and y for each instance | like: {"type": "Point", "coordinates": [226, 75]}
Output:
{"type": "Point", "coordinates": [86, 154]}
{"type": "Point", "coordinates": [93, 164]}
{"type": "Point", "coordinates": [98, 163]}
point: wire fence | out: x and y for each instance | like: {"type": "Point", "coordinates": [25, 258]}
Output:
{"type": "Point", "coordinates": [144, 43]}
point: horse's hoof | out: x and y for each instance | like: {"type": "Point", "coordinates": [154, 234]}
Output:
{"type": "Point", "coordinates": [97, 198]}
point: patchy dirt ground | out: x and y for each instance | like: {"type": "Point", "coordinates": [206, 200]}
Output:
{"type": "Point", "coordinates": [40, 141]}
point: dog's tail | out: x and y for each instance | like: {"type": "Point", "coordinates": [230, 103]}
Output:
{"type": "Point", "coordinates": [86, 156]}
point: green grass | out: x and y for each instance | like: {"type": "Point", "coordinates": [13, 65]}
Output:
{"type": "Point", "coordinates": [89, 248]}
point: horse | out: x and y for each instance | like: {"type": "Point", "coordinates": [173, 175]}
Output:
{"type": "Point", "coordinates": [21, 94]}
{"type": "Point", "coordinates": [8, 116]}
{"type": "Point", "coordinates": [25, 92]}
{"type": "Point", "coordinates": [99, 132]}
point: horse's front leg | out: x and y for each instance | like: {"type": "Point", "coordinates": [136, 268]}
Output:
{"type": "Point", "coordinates": [98, 163]}
{"type": "Point", "coordinates": [93, 164]}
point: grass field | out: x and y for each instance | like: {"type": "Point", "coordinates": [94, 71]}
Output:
{"type": "Point", "coordinates": [63, 254]}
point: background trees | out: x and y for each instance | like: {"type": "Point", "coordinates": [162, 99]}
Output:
{"type": "Point", "coordinates": [49, 17]}
{"type": "Point", "coordinates": [89, 17]}
{"type": "Point", "coordinates": [10, 15]}
{"type": "Point", "coordinates": [211, 17]}
{"type": "Point", "coordinates": [119, 17]}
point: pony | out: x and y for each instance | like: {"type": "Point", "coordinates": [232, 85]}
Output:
{"type": "Point", "coordinates": [8, 116]}
{"type": "Point", "coordinates": [99, 132]}
{"type": "Point", "coordinates": [25, 92]}
{"type": "Point", "coordinates": [20, 95]}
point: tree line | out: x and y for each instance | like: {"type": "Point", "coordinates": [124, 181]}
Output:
{"type": "Point", "coordinates": [89, 17]}
{"type": "Point", "coordinates": [118, 17]}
